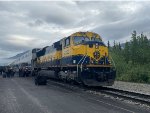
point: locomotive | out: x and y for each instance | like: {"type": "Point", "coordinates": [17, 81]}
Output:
{"type": "Point", "coordinates": [81, 57]}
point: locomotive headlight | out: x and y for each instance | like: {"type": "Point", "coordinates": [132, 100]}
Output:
{"type": "Point", "coordinates": [96, 54]}
{"type": "Point", "coordinates": [96, 45]}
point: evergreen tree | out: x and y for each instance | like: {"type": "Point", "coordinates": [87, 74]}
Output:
{"type": "Point", "coordinates": [108, 44]}
{"type": "Point", "coordinates": [127, 52]}
{"type": "Point", "coordinates": [119, 46]}
{"type": "Point", "coordinates": [134, 47]}
{"type": "Point", "coordinates": [133, 61]}
{"type": "Point", "coordinates": [114, 47]}
{"type": "Point", "coordinates": [146, 50]}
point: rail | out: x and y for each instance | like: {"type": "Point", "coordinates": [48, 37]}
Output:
{"type": "Point", "coordinates": [131, 96]}
{"type": "Point", "coordinates": [137, 97]}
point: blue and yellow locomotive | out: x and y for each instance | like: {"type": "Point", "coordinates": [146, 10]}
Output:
{"type": "Point", "coordinates": [81, 57]}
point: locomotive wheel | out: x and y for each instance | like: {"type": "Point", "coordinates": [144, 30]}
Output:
{"type": "Point", "coordinates": [40, 80]}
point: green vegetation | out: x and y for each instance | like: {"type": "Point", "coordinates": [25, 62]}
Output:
{"type": "Point", "coordinates": [133, 61]}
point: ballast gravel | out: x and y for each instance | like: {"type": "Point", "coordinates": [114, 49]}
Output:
{"type": "Point", "coordinates": [133, 87]}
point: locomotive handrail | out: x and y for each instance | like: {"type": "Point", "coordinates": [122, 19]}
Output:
{"type": "Point", "coordinates": [83, 61]}
{"type": "Point", "coordinates": [79, 63]}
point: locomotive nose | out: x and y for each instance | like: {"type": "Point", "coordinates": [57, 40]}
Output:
{"type": "Point", "coordinates": [96, 54]}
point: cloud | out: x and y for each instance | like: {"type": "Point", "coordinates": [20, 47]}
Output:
{"type": "Point", "coordinates": [138, 19]}
{"type": "Point", "coordinates": [26, 25]}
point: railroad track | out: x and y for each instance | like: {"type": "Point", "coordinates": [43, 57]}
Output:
{"type": "Point", "coordinates": [136, 97]}
{"type": "Point", "coordinates": [133, 96]}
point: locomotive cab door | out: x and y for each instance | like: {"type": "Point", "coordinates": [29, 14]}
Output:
{"type": "Point", "coordinates": [66, 51]}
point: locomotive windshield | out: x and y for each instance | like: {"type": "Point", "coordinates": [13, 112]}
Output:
{"type": "Point", "coordinates": [80, 39]}
{"type": "Point", "coordinates": [96, 39]}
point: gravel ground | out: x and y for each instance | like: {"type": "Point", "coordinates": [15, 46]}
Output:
{"type": "Point", "coordinates": [134, 87]}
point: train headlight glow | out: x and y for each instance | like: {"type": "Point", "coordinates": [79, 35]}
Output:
{"type": "Point", "coordinates": [96, 54]}
{"type": "Point", "coordinates": [96, 45]}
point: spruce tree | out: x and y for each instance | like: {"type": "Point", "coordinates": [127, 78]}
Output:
{"type": "Point", "coordinates": [127, 52]}
{"type": "Point", "coordinates": [134, 47]}
{"type": "Point", "coordinates": [114, 47]}
{"type": "Point", "coordinates": [108, 44]}
{"type": "Point", "coordinates": [119, 46]}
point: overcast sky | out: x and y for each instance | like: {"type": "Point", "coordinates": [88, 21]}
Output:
{"type": "Point", "coordinates": [26, 25]}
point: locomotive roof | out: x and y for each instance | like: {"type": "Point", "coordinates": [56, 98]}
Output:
{"type": "Point", "coordinates": [88, 34]}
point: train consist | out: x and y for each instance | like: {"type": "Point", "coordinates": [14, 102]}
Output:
{"type": "Point", "coordinates": [81, 57]}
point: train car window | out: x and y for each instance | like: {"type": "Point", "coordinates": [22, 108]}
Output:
{"type": "Point", "coordinates": [67, 41]}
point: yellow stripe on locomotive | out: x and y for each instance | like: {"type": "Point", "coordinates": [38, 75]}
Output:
{"type": "Point", "coordinates": [50, 57]}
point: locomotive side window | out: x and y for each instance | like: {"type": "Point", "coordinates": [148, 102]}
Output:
{"type": "Point", "coordinates": [67, 41]}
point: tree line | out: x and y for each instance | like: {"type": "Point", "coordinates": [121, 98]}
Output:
{"type": "Point", "coordinates": [133, 60]}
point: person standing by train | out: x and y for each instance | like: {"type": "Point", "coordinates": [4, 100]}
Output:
{"type": "Point", "coordinates": [7, 71]}
{"type": "Point", "coordinates": [10, 72]}
{"type": "Point", "coordinates": [13, 72]}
